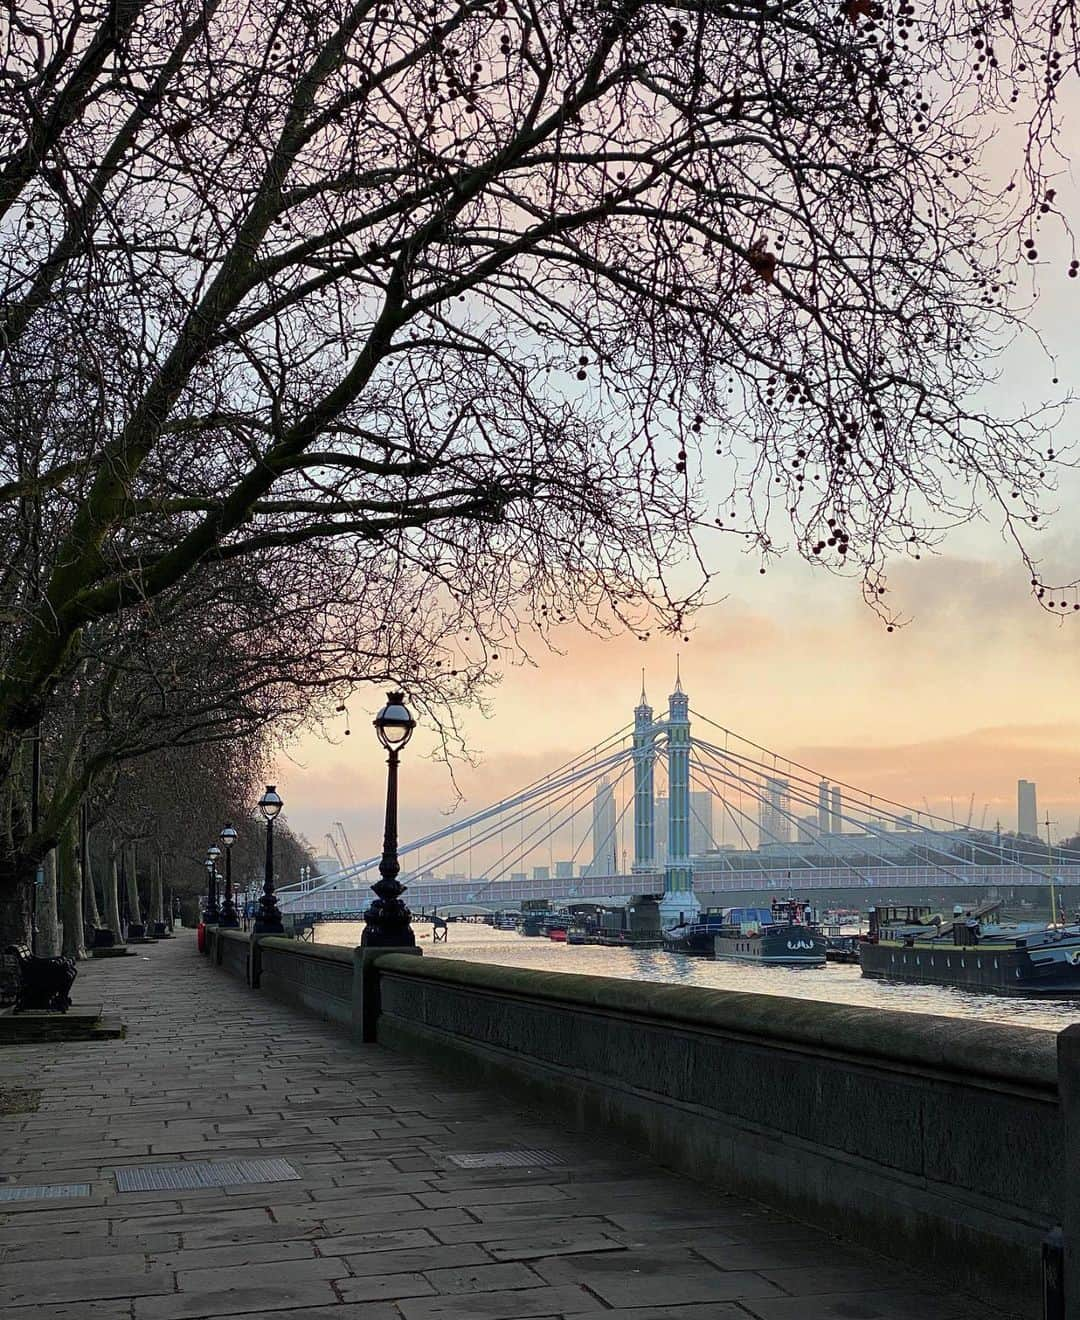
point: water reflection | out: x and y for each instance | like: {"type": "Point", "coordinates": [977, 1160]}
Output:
{"type": "Point", "coordinates": [835, 983]}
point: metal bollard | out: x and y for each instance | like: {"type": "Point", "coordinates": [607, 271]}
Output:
{"type": "Point", "coordinates": [1053, 1275]}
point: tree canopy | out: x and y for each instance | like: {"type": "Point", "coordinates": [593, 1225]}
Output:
{"type": "Point", "coordinates": [496, 305]}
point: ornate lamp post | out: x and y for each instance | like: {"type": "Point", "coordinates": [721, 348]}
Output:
{"type": "Point", "coordinates": [387, 919]}
{"type": "Point", "coordinates": [268, 917]}
{"type": "Point", "coordinates": [229, 917]}
{"type": "Point", "coordinates": [212, 916]}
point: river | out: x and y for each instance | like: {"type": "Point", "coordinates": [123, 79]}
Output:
{"type": "Point", "coordinates": [836, 983]}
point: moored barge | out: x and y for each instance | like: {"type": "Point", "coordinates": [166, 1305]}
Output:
{"type": "Point", "coordinates": [975, 950]}
{"type": "Point", "coordinates": [784, 934]}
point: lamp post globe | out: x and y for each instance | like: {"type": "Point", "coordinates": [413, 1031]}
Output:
{"type": "Point", "coordinates": [394, 724]}
{"type": "Point", "coordinates": [229, 916]}
{"type": "Point", "coordinates": [268, 915]}
{"type": "Point", "coordinates": [387, 920]}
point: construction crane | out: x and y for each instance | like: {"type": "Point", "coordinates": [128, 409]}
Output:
{"type": "Point", "coordinates": [971, 811]}
{"type": "Point", "coordinates": [331, 847]}
{"type": "Point", "coordinates": [345, 840]}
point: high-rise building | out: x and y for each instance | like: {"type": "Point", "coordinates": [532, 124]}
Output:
{"type": "Point", "coordinates": [541, 873]}
{"type": "Point", "coordinates": [808, 829]}
{"type": "Point", "coordinates": [564, 870]}
{"type": "Point", "coordinates": [774, 812]}
{"type": "Point", "coordinates": [603, 831]}
{"type": "Point", "coordinates": [823, 818]}
{"type": "Point", "coordinates": [836, 812]}
{"type": "Point", "coordinates": [701, 823]}
{"type": "Point", "coordinates": [1027, 811]}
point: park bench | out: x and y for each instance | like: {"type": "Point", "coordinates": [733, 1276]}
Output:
{"type": "Point", "coordinates": [39, 983]}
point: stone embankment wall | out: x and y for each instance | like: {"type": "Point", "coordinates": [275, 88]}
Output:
{"type": "Point", "coordinates": [941, 1143]}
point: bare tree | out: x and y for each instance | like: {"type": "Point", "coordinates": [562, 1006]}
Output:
{"type": "Point", "coordinates": [472, 286]}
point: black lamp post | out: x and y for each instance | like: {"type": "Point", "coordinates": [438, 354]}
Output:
{"type": "Point", "coordinates": [268, 917]}
{"type": "Point", "coordinates": [387, 919]}
{"type": "Point", "coordinates": [212, 916]}
{"type": "Point", "coordinates": [229, 917]}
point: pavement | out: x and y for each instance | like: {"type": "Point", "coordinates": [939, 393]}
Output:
{"type": "Point", "coordinates": [382, 1223]}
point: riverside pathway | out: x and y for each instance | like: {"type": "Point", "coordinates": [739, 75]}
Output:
{"type": "Point", "coordinates": [381, 1224]}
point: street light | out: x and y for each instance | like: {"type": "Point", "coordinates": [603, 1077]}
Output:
{"type": "Point", "coordinates": [268, 916]}
{"type": "Point", "coordinates": [387, 919]}
{"type": "Point", "coordinates": [212, 916]}
{"type": "Point", "coordinates": [229, 918]}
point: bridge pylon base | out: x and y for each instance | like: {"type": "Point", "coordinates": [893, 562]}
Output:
{"type": "Point", "coordinates": [677, 906]}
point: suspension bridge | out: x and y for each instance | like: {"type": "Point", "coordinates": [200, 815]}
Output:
{"type": "Point", "coordinates": [703, 820]}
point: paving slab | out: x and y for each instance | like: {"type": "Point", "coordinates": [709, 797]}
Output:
{"type": "Point", "coordinates": [382, 1224]}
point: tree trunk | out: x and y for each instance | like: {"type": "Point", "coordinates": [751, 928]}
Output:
{"type": "Point", "coordinates": [16, 891]}
{"type": "Point", "coordinates": [134, 911]}
{"type": "Point", "coordinates": [90, 903]}
{"type": "Point", "coordinates": [47, 944]}
{"type": "Point", "coordinates": [112, 898]}
{"type": "Point", "coordinates": [157, 893]}
{"type": "Point", "coordinates": [71, 886]}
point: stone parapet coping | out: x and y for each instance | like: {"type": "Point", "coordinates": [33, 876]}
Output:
{"type": "Point", "coordinates": [1022, 1058]}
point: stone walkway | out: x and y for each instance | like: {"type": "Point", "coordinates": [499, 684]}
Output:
{"type": "Point", "coordinates": [381, 1224]}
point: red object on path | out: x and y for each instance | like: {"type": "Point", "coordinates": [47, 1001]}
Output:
{"type": "Point", "coordinates": [200, 937]}
{"type": "Point", "coordinates": [558, 935]}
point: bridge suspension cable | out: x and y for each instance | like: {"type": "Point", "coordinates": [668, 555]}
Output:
{"type": "Point", "coordinates": [578, 771]}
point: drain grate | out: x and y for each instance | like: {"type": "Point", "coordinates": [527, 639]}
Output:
{"type": "Point", "coordinates": [58, 1192]}
{"type": "Point", "coordinates": [506, 1159]}
{"type": "Point", "coordinates": [201, 1173]}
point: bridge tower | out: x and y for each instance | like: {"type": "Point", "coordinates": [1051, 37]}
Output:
{"type": "Point", "coordinates": [644, 800]}
{"type": "Point", "coordinates": [679, 899]}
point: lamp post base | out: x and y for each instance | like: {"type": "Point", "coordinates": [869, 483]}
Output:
{"type": "Point", "coordinates": [397, 937]}
{"type": "Point", "coordinates": [387, 923]}
{"type": "Point", "coordinates": [268, 915]}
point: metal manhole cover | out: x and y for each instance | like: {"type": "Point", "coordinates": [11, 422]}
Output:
{"type": "Point", "coordinates": [201, 1173]}
{"type": "Point", "coordinates": [58, 1192]}
{"type": "Point", "coordinates": [506, 1159]}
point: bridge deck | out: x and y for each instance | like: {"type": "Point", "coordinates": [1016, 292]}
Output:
{"type": "Point", "coordinates": [875, 881]}
{"type": "Point", "coordinates": [380, 1224]}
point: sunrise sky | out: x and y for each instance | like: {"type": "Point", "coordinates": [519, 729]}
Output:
{"type": "Point", "coordinates": [976, 691]}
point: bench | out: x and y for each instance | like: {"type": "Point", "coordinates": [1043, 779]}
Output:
{"type": "Point", "coordinates": [40, 983]}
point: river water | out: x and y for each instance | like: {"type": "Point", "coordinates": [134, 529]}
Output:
{"type": "Point", "coordinates": [835, 983]}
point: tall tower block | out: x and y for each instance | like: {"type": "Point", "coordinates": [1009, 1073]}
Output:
{"type": "Point", "coordinates": [1027, 812]}
{"type": "Point", "coordinates": [644, 799]}
{"type": "Point", "coordinates": [679, 899]}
